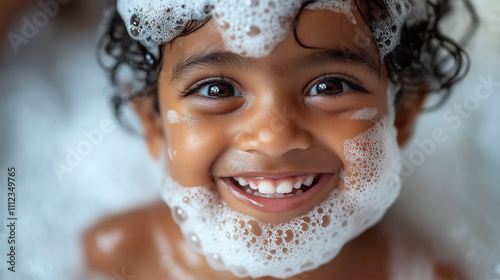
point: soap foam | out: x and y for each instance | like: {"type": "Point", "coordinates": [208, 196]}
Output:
{"type": "Point", "coordinates": [367, 114]}
{"type": "Point", "coordinates": [248, 247]}
{"type": "Point", "coordinates": [251, 28]}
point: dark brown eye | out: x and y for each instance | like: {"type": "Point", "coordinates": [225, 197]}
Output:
{"type": "Point", "coordinates": [219, 90]}
{"type": "Point", "coordinates": [329, 87]}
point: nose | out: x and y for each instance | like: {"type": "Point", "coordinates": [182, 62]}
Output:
{"type": "Point", "coordinates": [274, 133]}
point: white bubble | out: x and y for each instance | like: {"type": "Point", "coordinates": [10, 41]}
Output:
{"type": "Point", "coordinates": [154, 22]}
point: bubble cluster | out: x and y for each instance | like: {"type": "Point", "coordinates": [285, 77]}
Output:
{"type": "Point", "coordinates": [387, 30]}
{"type": "Point", "coordinates": [251, 27]}
{"type": "Point", "coordinates": [249, 247]}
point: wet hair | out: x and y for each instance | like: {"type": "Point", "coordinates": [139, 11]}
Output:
{"type": "Point", "coordinates": [424, 56]}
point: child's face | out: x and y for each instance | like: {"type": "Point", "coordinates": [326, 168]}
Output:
{"type": "Point", "coordinates": [279, 116]}
{"type": "Point", "coordinates": [317, 116]}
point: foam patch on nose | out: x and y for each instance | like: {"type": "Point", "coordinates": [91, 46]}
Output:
{"type": "Point", "coordinates": [251, 27]}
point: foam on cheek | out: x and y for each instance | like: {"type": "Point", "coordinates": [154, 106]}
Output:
{"type": "Point", "coordinates": [367, 114]}
{"type": "Point", "coordinates": [171, 154]}
{"type": "Point", "coordinates": [248, 247]}
{"type": "Point", "coordinates": [174, 117]}
{"type": "Point", "coordinates": [250, 28]}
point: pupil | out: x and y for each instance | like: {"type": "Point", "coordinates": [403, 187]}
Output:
{"type": "Point", "coordinates": [220, 90]}
{"type": "Point", "coordinates": [329, 87]}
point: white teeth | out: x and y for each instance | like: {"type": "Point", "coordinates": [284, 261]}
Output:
{"type": "Point", "coordinates": [253, 186]}
{"type": "Point", "coordinates": [298, 184]}
{"type": "Point", "coordinates": [266, 188]}
{"type": "Point", "coordinates": [263, 188]}
{"type": "Point", "coordinates": [284, 187]}
{"type": "Point", "coordinates": [258, 194]}
{"type": "Point", "coordinates": [309, 179]}
{"type": "Point", "coordinates": [242, 181]}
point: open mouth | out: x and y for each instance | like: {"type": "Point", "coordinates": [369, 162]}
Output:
{"type": "Point", "coordinates": [279, 193]}
{"type": "Point", "coordinates": [276, 188]}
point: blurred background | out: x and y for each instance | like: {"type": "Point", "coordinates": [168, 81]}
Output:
{"type": "Point", "coordinates": [76, 163]}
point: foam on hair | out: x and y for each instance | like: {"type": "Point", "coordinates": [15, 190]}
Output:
{"type": "Point", "coordinates": [248, 247]}
{"type": "Point", "coordinates": [250, 28]}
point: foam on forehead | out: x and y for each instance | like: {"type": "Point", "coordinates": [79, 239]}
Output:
{"type": "Point", "coordinates": [250, 27]}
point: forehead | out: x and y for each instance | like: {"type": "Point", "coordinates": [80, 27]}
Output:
{"type": "Point", "coordinates": [315, 29]}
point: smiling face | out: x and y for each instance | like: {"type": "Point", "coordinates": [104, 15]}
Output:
{"type": "Point", "coordinates": [282, 117]}
{"type": "Point", "coordinates": [300, 135]}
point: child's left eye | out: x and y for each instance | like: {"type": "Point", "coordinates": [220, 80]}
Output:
{"type": "Point", "coordinates": [332, 86]}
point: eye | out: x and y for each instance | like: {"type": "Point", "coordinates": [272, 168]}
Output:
{"type": "Point", "coordinates": [219, 90]}
{"type": "Point", "coordinates": [213, 88]}
{"type": "Point", "coordinates": [333, 86]}
{"type": "Point", "coordinates": [329, 87]}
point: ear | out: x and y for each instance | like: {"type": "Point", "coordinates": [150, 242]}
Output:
{"type": "Point", "coordinates": [152, 128]}
{"type": "Point", "coordinates": [408, 111]}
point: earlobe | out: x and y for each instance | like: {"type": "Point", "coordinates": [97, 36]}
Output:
{"type": "Point", "coordinates": [407, 114]}
{"type": "Point", "coordinates": [152, 128]}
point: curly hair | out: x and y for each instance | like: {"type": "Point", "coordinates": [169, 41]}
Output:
{"type": "Point", "coordinates": [423, 55]}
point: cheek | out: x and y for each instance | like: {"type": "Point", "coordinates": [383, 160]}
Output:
{"type": "Point", "coordinates": [191, 150]}
{"type": "Point", "coordinates": [333, 132]}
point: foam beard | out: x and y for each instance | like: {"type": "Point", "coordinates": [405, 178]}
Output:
{"type": "Point", "coordinates": [248, 247]}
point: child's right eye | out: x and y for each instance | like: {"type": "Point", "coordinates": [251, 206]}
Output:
{"type": "Point", "coordinates": [214, 89]}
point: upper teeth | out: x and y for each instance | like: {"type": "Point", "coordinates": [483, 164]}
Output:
{"type": "Point", "coordinates": [284, 186]}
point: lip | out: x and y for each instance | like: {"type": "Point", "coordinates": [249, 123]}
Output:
{"type": "Point", "coordinates": [277, 205]}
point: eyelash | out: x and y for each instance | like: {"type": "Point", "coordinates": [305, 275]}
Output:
{"type": "Point", "coordinates": [187, 91]}
{"type": "Point", "coordinates": [350, 82]}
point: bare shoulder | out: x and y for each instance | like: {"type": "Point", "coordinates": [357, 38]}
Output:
{"type": "Point", "coordinates": [119, 241]}
{"type": "Point", "coordinates": [411, 253]}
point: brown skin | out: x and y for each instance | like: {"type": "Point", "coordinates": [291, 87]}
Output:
{"type": "Point", "coordinates": [149, 236]}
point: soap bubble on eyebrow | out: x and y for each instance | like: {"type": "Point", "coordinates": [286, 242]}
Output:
{"type": "Point", "coordinates": [365, 114]}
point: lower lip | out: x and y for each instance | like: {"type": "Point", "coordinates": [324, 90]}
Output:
{"type": "Point", "coordinates": [281, 204]}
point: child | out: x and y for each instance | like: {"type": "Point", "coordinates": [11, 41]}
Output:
{"type": "Point", "coordinates": [279, 124]}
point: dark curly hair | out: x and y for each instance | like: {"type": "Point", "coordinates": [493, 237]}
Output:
{"type": "Point", "coordinates": [424, 54]}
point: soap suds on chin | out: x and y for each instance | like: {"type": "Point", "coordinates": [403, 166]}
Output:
{"type": "Point", "coordinates": [365, 114]}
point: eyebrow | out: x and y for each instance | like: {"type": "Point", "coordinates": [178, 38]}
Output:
{"type": "Point", "coordinates": [344, 55]}
{"type": "Point", "coordinates": [212, 59]}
